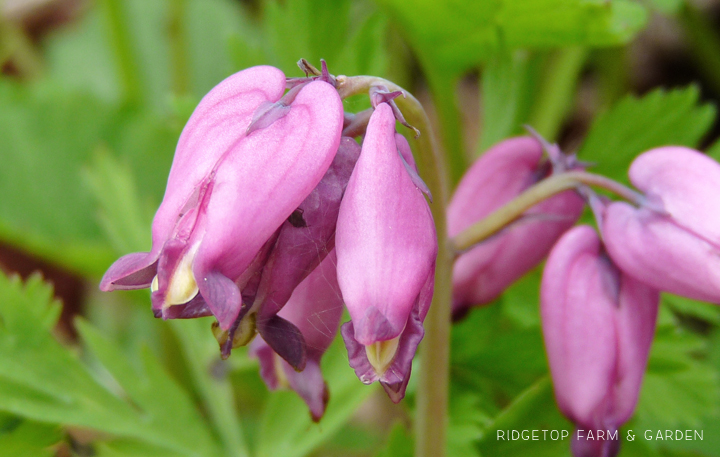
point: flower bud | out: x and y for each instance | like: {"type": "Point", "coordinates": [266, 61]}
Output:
{"type": "Point", "coordinates": [229, 190]}
{"type": "Point", "coordinates": [315, 308]}
{"type": "Point", "coordinates": [677, 250]}
{"type": "Point", "coordinates": [598, 324]}
{"type": "Point", "coordinates": [507, 169]}
{"type": "Point", "coordinates": [386, 248]}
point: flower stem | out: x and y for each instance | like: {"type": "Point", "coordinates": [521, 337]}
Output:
{"type": "Point", "coordinates": [434, 373]}
{"type": "Point", "coordinates": [557, 90]}
{"type": "Point", "coordinates": [125, 55]}
{"type": "Point", "coordinates": [546, 188]}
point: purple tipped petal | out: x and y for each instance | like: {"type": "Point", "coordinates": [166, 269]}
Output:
{"type": "Point", "coordinates": [221, 295]}
{"type": "Point", "coordinates": [385, 239]}
{"type": "Point", "coordinates": [285, 339]}
{"type": "Point", "coordinates": [190, 310]}
{"type": "Point", "coordinates": [132, 271]}
{"type": "Point", "coordinates": [395, 378]}
{"type": "Point", "coordinates": [482, 273]}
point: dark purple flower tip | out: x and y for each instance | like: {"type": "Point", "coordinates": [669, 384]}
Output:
{"type": "Point", "coordinates": [387, 361]}
{"type": "Point", "coordinates": [285, 339]}
{"type": "Point", "coordinates": [132, 271]}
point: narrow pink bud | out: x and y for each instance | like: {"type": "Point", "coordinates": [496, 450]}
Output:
{"type": "Point", "coordinates": [507, 169]}
{"type": "Point", "coordinates": [678, 251]}
{"type": "Point", "coordinates": [386, 247]}
{"type": "Point", "coordinates": [598, 324]}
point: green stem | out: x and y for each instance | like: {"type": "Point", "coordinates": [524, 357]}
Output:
{"type": "Point", "coordinates": [543, 190]}
{"type": "Point", "coordinates": [215, 391]}
{"type": "Point", "coordinates": [557, 90]}
{"type": "Point", "coordinates": [434, 374]}
{"type": "Point", "coordinates": [125, 56]}
{"type": "Point", "coordinates": [443, 89]}
{"type": "Point", "coordinates": [179, 47]}
{"type": "Point", "coordinates": [704, 43]}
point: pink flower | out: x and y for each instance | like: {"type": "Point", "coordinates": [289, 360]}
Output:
{"type": "Point", "coordinates": [315, 308]}
{"type": "Point", "coordinates": [679, 250]}
{"type": "Point", "coordinates": [598, 324]}
{"type": "Point", "coordinates": [246, 159]}
{"type": "Point", "coordinates": [386, 248]}
{"type": "Point", "coordinates": [507, 169]}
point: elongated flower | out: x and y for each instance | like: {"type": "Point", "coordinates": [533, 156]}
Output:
{"type": "Point", "coordinates": [315, 308]}
{"type": "Point", "coordinates": [676, 249]}
{"type": "Point", "coordinates": [246, 159]}
{"type": "Point", "coordinates": [598, 324]}
{"type": "Point", "coordinates": [386, 248]}
{"type": "Point", "coordinates": [482, 273]}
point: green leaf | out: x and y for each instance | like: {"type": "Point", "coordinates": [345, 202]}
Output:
{"type": "Point", "coordinates": [163, 402]}
{"type": "Point", "coordinates": [454, 36]}
{"type": "Point", "coordinates": [680, 388]}
{"type": "Point", "coordinates": [508, 80]}
{"type": "Point", "coordinates": [533, 409]}
{"type": "Point", "coordinates": [399, 443]}
{"type": "Point", "coordinates": [351, 40]}
{"type": "Point", "coordinates": [286, 428]}
{"type": "Point", "coordinates": [29, 439]}
{"type": "Point", "coordinates": [684, 306]}
{"type": "Point", "coordinates": [43, 381]}
{"type": "Point", "coordinates": [466, 424]}
{"type": "Point", "coordinates": [47, 134]}
{"type": "Point", "coordinates": [121, 213]}
{"type": "Point", "coordinates": [635, 125]}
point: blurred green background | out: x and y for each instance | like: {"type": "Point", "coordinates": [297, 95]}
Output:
{"type": "Point", "coordinates": [93, 96]}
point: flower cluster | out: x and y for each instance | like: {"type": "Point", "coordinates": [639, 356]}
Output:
{"type": "Point", "coordinates": [274, 216]}
{"type": "Point", "coordinates": [599, 294]}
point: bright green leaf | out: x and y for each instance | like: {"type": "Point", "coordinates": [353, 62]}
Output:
{"type": "Point", "coordinates": [636, 125]}
{"type": "Point", "coordinates": [286, 428]}
{"type": "Point", "coordinates": [456, 35]}
{"type": "Point", "coordinates": [399, 443]}
{"type": "Point", "coordinates": [29, 439]}
{"type": "Point", "coordinates": [43, 381]}
{"type": "Point", "coordinates": [680, 387]}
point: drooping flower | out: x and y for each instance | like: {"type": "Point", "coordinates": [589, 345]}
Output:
{"type": "Point", "coordinates": [315, 308]}
{"type": "Point", "coordinates": [483, 272]}
{"type": "Point", "coordinates": [598, 323]}
{"type": "Point", "coordinates": [246, 159]}
{"type": "Point", "coordinates": [677, 248]}
{"type": "Point", "coordinates": [386, 248]}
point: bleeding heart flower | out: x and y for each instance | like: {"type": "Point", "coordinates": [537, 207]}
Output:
{"type": "Point", "coordinates": [507, 169]}
{"type": "Point", "coordinates": [676, 249]}
{"type": "Point", "coordinates": [246, 159]}
{"type": "Point", "coordinates": [598, 325]}
{"type": "Point", "coordinates": [386, 248]}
